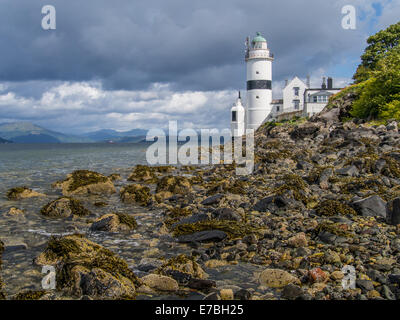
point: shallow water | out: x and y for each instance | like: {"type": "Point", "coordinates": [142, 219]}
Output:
{"type": "Point", "coordinates": [37, 167]}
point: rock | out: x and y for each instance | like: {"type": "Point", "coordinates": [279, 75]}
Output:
{"type": "Point", "coordinates": [226, 214]}
{"type": "Point", "coordinates": [387, 293]}
{"type": "Point", "coordinates": [364, 285]}
{"type": "Point", "coordinates": [350, 171]}
{"type": "Point", "coordinates": [14, 212]}
{"type": "Point", "coordinates": [276, 278]}
{"type": "Point", "coordinates": [184, 265]}
{"type": "Point", "coordinates": [64, 207]}
{"type": "Point", "coordinates": [15, 247]}
{"type": "Point", "coordinates": [149, 264]}
{"type": "Point", "coordinates": [20, 193]}
{"type": "Point", "coordinates": [114, 222]}
{"type": "Point", "coordinates": [214, 263]}
{"type": "Point", "coordinates": [143, 173]}
{"type": "Point", "coordinates": [212, 296]}
{"type": "Point", "coordinates": [305, 130]}
{"type": "Point", "coordinates": [215, 199]}
{"type": "Point", "coordinates": [298, 240]}
{"type": "Point", "coordinates": [226, 294]}
{"type": "Point", "coordinates": [83, 182]}
{"type": "Point", "coordinates": [86, 268]}
{"type": "Point", "coordinates": [201, 284]}
{"type": "Point", "coordinates": [174, 184]}
{"type": "Point", "coordinates": [115, 177]}
{"type": "Point", "coordinates": [162, 195]}
{"type": "Point", "coordinates": [136, 193]}
{"type": "Point", "coordinates": [242, 294]}
{"type": "Point", "coordinates": [394, 212]}
{"type": "Point", "coordinates": [203, 236]}
{"type": "Point", "coordinates": [291, 292]}
{"type": "Point", "coordinates": [270, 203]}
{"type": "Point", "coordinates": [192, 219]}
{"type": "Point", "coordinates": [316, 275]}
{"type": "Point", "coordinates": [161, 283]}
{"type": "Point", "coordinates": [372, 206]}
{"type": "Point", "coordinates": [337, 275]}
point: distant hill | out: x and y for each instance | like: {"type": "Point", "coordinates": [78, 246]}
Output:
{"type": "Point", "coordinates": [4, 141]}
{"type": "Point", "coordinates": [116, 136]}
{"type": "Point", "coordinates": [26, 132]}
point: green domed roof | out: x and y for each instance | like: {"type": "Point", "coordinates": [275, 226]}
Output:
{"type": "Point", "coordinates": [259, 38]}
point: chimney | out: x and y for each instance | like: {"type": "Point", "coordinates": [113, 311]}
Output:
{"type": "Point", "coordinates": [308, 81]}
{"type": "Point", "coordinates": [330, 83]}
{"type": "Point", "coordinates": [323, 83]}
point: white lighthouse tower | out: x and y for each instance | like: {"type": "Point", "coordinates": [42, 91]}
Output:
{"type": "Point", "coordinates": [237, 120]}
{"type": "Point", "coordinates": [259, 81]}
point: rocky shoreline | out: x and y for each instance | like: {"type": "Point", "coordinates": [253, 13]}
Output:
{"type": "Point", "coordinates": [324, 194]}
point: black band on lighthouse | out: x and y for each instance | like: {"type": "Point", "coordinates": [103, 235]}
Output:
{"type": "Point", "coordinates": [259, 84]}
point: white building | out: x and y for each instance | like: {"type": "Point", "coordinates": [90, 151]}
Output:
{"type": "Point", "coordinates": [298, 97]}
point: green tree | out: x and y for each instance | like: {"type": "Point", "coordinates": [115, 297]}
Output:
{"type": "Point", "coordinates": [380, 96]}
{"type": "Point", "coordinates": [379, 45]}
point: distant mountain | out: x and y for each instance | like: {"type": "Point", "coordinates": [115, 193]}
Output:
{"type": "Point", "coordinates": [115, 136]}
{"type": "Point", "coordinates": [4, 141]}
{"type": "Point", "coordinates": [26, 132]}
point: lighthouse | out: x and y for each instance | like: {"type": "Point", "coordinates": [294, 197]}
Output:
{"type": "Point", "coordinates": [259, 81]}
{"type": "Point", "coordinates": [237, 120]}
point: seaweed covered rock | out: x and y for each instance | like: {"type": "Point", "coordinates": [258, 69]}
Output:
{"type": "Point", "coordinates": [136, 193]}
{"type": "Point", "coordinates": [147, 174]}
{"type": "Point", "coordinates": [86, 182]}
{"type": "Point", "coordinates": [182, 264]}
{"type": "Point", "coordinates": [14, 212]}
{"type": "Point", "coordinates": [20, 193]}
{"type": "Point", "coordinates": [334, 207]}
{"type": "Point", "coordinates": [30, 295]}
{"type": "Point", "coordinates": [2, 294]}
{"type": "Point", "coordinates": [174, 184]}
{"type": "Point", "coordinates": [64, 207]}
{"type": "Point", "coordinates": [160, 282]}
{"type": "Point", "coordinates": [86, 268]}
{"type": "Point", "coordinates": [114, 222]}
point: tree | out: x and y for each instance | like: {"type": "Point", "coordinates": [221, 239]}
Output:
{"type": "Point", "coordinates": [379, 45]}
{"type": "Point", "coordinates": [380, 96]}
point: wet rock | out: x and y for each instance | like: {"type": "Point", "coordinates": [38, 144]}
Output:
{"type": "Point", "coordinates": [14, 212]}
{"type": "Point", "coordinates": [226, 214]}
{"type": "Point", "coordinates": [276, 278]}
{"type": "Point", "coordinates": [201, 284]}
{"type": "Point", "coordinates": [270, 203]}
{"type": "Point", "coordinates": [203, 236]}
{"type": "Point", "coordinates": [114, 222]}
{"type": "Point", "coordinates": [15, 247]}
{"type": "Point", "coordinates": [242, 294]}
{"type": "Point", "coordinates": [192, 219]}
{"type": "Point", "coordinates": [215, 263]}
{"type": "Point", "coordinates": [364, 285]}
{"type": "Point", "coordinates": [64, 207]}
{"type": "Point", "coordinates": [184, 265]}
{"type": "Point", "coordinates": [316, 275]}
{"type": "Point", "coordinates": [149, 264]}
{"type": "Point", "coordinates": [291, 292]}
{"type": "Point", "coordinates": [394, 212]}
{"type": "Point", "coordinates": [226, 294]}
{"type": "Point", "coordinates": [20, 193]}
{"type": "Point", "coordinates": [2, 294]}
{"type": "Point", "coordinates": [86, 268]}
{"type": "Point", "coordinates": [136, 193]}
{"type": "Point", "coordinates": [174, 184]}
{"type": "Point", "coordinates": [212, 296]}
{"type": "Point", "coordinates": [83, 182]}
{"type": "Point", "coordinates": [215, 199]}
{"type": "Point", "coordinates": [372, 206]}
{"type": "Point", "coordinates": [159, 282]}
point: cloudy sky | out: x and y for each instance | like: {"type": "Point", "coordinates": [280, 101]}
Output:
{"type": "Point", "coordinates": [127, 64]}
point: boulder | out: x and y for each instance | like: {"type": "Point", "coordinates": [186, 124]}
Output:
{"type": "Point", "coordinates": [372, 206]}
{"type": "Point", "coordinates": [298, 240]}
{"type": "Point", "coordinates": [86, 268]}
{"type": "Point", "coordinates": [187, 267]}
{"type": "Point", "coordinates": [114, 222]}
{"type": "Point", "coordinates": [84, 182]}
{"type": "Point", "coordinates": [160, 282]}
{"type": "Point", "coordinates": [215, 199]}
{"type": "Point", "coordinates": [174, 184]}
{"type": "Point", "coordinates": [350, 171]}
{"type": "Point", "coordinates": [20, 193]}
{"type": "Point", "coordinates": [136, 193]}
{"type": "Point", "coordinates": [393, 212]}
{"type": "Point", "coordinates": [226, 214]}
{"type": "Point", "coordinates": [203, 236]}
{"type": "Point", "coordinates": [276, 278]}
{"type": "Point", "coordinates": [64, 207]}
{"type": "Point", "coordinates": [270, 203]}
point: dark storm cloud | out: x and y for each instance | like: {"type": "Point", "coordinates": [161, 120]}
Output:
{"type": "Point", "coordinates": [192, 45]}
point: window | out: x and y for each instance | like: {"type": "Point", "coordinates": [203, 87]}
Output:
{"type": "Point", "coordinates": [296, 104]}
{"type": "Point", "coordinates": [257, 97]}
{"type": "Point", "coordinates": [315, 99]}
{"type": "Point", "coordinates": [296, 91]}
{"type": "Point", "coordinates": [277, 108]}
{"type": "Point", "coordinates": [257, 72]}
{"type": "Point", "coordinates": [234, 117]}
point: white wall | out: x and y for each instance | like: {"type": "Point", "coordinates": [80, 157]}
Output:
{"type": "Point", "coordinates": [289, 95]}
